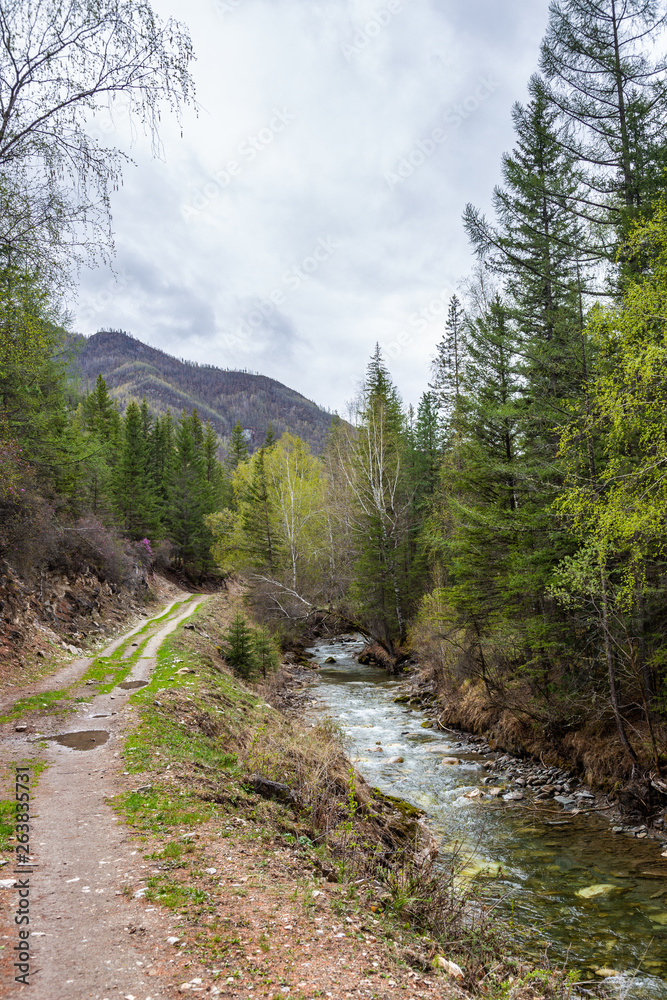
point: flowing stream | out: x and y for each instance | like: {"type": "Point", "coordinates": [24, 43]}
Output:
{"type": "Point", "coordinates": [537, 860]}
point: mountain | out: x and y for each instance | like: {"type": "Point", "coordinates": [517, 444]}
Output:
{"type": "Point", "coordinates": [133, 370]}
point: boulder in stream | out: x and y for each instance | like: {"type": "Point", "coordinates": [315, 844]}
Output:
{"type": "Point", "coordinates": [593, 891]}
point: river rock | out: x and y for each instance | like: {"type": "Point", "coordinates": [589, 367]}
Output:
{"type": "Point", "coordinates": [494, 792]}
{"type": "Point", "coordinates": [427, 725]}
{"type": "Point", "coordinates": [513, 796]}
{"type": "Point", "coordinates": [395, 760]}
{"type": "Point", "coordinates": [474, 793]}
{"type": "Point", "coordinates": [607, 973]}
{"type": "Point", "coordinates": [593, 891]}
{"type": "Point", "coordinates": [450, 760]}
{"type": "Point", "coordinates": [330, 659]}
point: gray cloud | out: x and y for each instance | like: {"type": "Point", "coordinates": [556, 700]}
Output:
{"type": "Point", "coordinates": [308, 108]}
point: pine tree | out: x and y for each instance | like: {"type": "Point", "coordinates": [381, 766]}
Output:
{"type": "Point", "coordinates": [191, 499]}
{"type": "Point", "coordinates": [265, 652]}
{"type": "Point", "coordinates": [101, 413]}
{"type": "Point", "coordinates": [379, 480]}
{"type": "Point", "coordinates": [270, 438]}
{"type": "Point", "coordinates": [427, 443]}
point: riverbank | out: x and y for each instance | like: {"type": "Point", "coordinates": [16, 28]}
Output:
{"type": "Point", "coordinates": [580, 740]}
{"type": "Point", "coordinates": [554, 871]}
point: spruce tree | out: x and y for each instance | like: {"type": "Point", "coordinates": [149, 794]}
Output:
{"type": "Point", "coordinates": [238, 447]}
{"type": "Point", "coordinates": [604, 83]}
{"type": "Point", "coordinates": [258, 516]}
{"type": "Point", "coordinates": [134, 487]}
{"type": "Point", "coordinates": [379, 479]}
{"type": "Point", "coordinates": [265, 652]}
{"type": "Point", "coordinates": [238, 647]}
{"type": "Point", "coordinates": [190, 495]}
{"type": "Point", "coordinates": [448, 369]}
{"type": "Point", "coordinates": [270, 438]}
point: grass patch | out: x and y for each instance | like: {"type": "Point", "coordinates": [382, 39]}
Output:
{"type": "Point", "coordinates": [50, 700]}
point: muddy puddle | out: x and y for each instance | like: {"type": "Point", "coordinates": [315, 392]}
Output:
{"type": "Point", "coordinates": [84, 740]}
{"type": "Point", "coordinates": [132, 685]}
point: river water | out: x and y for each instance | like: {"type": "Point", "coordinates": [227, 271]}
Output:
{"type": "Point", "coordinates": [535, 860]}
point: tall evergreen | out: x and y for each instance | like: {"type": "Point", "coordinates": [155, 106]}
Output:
{"type": "Point", "coordinates": [238, 447]}
{"type": "Point", "coordinates": [134, 485]}
{"type": "Point", "coordinates": [604, 83]}
{"type": "Point", "coordinates": [381, 487]}
{"type": "Point", "coordinates": [257, 517]}
{"type": "Point", "coordinates": [191, 498]}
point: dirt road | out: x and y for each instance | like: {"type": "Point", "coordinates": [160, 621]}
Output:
{"type": "Point", "coordinates": [87, 939]}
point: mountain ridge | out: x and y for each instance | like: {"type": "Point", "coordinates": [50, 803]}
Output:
{"type": "Point", "coordinates": [133, 370]}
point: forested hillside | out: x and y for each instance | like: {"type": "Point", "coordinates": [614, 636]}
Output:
{"type": "Point", "coordinates": [133, 370]}
{"type": "Point", "coordinates": [511, 533]}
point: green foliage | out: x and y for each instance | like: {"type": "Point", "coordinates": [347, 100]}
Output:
{"type": "Point", "coordinates": [238, 647]}
{"type": "Point", "coordinates": [249, 650]}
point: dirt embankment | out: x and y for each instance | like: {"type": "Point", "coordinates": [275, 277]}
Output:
{"type": "Point", "coordinates": [58, 614]}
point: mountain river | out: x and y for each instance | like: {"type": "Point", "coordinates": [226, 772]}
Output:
{"type": "Point", "coordinates": [599, 898]}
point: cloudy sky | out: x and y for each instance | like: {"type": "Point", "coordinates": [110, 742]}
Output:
{"type": "Point", "coordinates": [313, 205]}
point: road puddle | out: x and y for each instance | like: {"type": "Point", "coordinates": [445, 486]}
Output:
{"type": "Point", "coordinates": [84, 740]}
{"type": "Point", "coordinates": [131, 685]}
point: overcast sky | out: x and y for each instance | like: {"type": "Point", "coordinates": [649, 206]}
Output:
{"type": "Point", "coordinates": [313, 206]}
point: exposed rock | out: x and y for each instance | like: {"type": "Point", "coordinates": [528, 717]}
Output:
{"type": "Point", "coordinates": [593, 891]}
{"type": "Point", "coordinates": [451, 968]}
{"type": "Point", "coordinates": [450, 760]}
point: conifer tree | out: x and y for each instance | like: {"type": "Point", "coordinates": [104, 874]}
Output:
{"type": "Point", "coordinates": [380, 485]}
{"type": "Point", "coordinates": [270, 438]}
{"type": "Point", "coordinates": [190, 496]}
{"type": "Point", "coordinates": [448, 369]}
{"type": "Point", "coordinates": [134, 488]}
{"type": "Point", "coordinates": [238, 647]}
{"type": "Point", "coordinates": [258, 516]}
{"type": "Point", "coordinates": [238, 447]}
{"type": "Point", "coordinates": [426, 440]}
{"type": "Point", "coordinates": [602, 80]}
